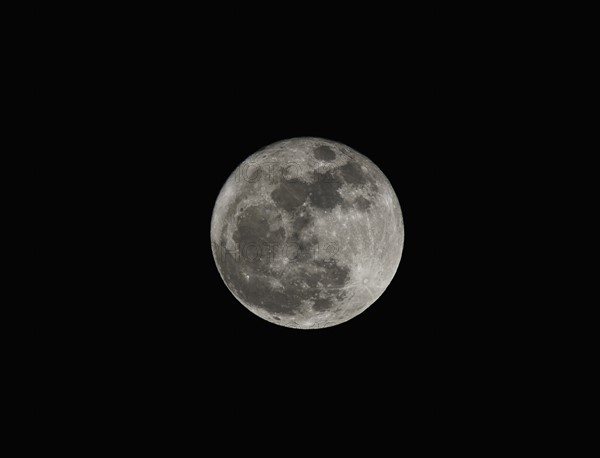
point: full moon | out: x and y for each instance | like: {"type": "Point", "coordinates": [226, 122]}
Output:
{"type": "Point", "coordinates": [307, 233]}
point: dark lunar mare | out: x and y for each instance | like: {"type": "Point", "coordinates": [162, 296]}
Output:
{"type": "Point", "coordinates": [305, 278]}
{"type": "Point", "coordinates": [324, 153]}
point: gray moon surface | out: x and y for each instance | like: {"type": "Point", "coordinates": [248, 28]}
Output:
{"type": "Point", "coordinates": [307, 233]}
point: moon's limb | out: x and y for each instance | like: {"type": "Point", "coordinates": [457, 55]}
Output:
{"type": "Point", "coordinates": [307, 233]}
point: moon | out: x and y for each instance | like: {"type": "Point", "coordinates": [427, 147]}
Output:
{"type": "Point", "coordinates": [307, 233]}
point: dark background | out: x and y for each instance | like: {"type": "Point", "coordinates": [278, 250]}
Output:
{"type": "Point", "coordinates": [152, 114]}
{"type": "Point", "coordinates": [417, 126]}
{"type": "Point", "coordinates": [174, 123]}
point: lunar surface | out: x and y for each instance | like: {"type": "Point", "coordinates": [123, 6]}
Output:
{"type": "Point", "coordinates": [307, 233]}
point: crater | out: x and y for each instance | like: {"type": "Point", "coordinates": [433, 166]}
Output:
{"type": "Point", "coordinates": [324, 153]}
